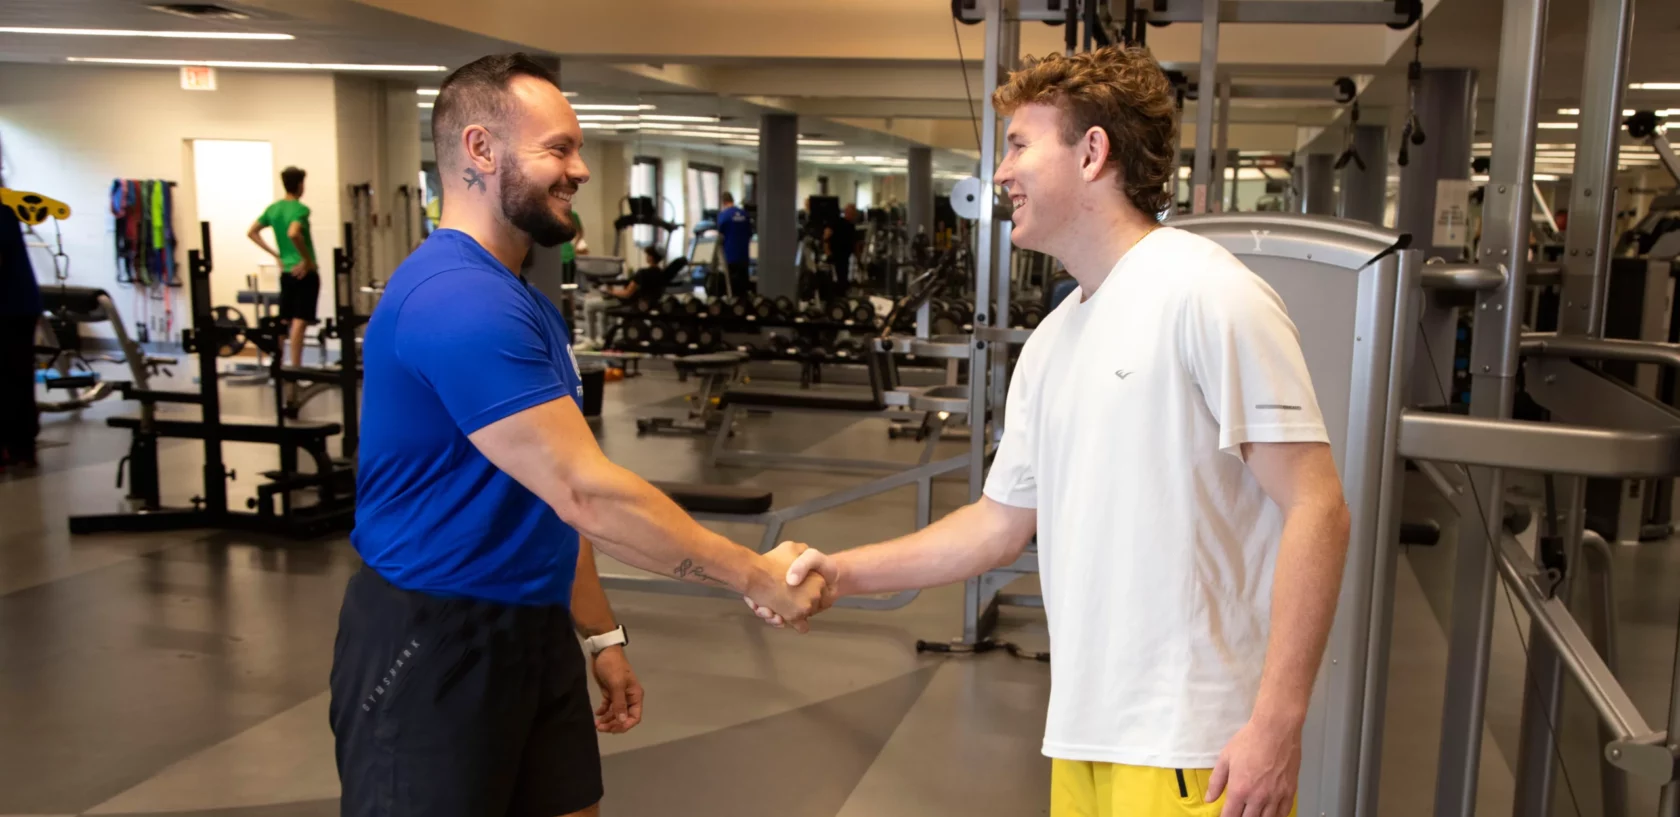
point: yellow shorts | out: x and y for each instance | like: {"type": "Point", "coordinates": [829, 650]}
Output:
{"type": "Point", "coordinates": [1083, 789]}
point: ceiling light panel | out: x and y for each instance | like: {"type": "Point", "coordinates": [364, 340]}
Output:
{"type": "Point", "coordinates": [279, 66]}
{"type": "Point", "coordinates": [166, 35]}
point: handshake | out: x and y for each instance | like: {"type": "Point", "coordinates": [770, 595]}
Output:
{"type": "Point", "coordinates": [797, 582]}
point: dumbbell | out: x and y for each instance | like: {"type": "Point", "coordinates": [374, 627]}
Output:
{"type": "Point", "coordinates": [692, 307]}
{"type": "Point", "coordinates": [716, 307]}
{"type": "Point", "coordinates": [838, 311]}
{"type": "Point", "coordinates": [814, 312]}
{"type": "Point", "coordinates": [779, 344]}
{"type": "Point", "coordinates": [707, 338]}
{"type": "Point", "coordinates": [659, 333]}
{"type": "Point", "coordinates": [682, 336]}
{"type": "Point", "coordinates": [634, 333]}
{"type": "Point", "coordinates": [765, 309]}
{"type": "Point", "coordinates": [1017, 314]}
{"type": "Point", "coordinates": [668, 305]}
{"type": "Point", "coordinates": [863, 314]}
{"type": "Point", "coordinates": [786, 309]}
{"type": "Point", "coordinates": [738, 308]}
{"type": "Point", "coordinates": [1032, 315]}
{"type": "Point", "coordinates": [850, 349]}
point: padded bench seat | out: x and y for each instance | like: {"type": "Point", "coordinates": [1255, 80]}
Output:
{"type": "Point", "coordinates": [765, 398]}
{"type": "Point", "coordinates": [77, 303]}
{"type": "Point", "coordinates": [325, 373]}
{"type": "Point", "coordinates": [710, 360]}
{"type": "Point", "coordinates": [301, 433]}
{"type": "Point", "coordinates": [733, 499]}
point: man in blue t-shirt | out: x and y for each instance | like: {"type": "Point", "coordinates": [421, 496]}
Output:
{"type": "Point", "coordinates": [457, 684]}
{"type": "Point", "coordinates": [735, 230]}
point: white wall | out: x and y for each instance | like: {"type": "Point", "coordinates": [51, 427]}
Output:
{"type": "Point", "coordinates": [68, 130]}
{"type": "Point", "coordinates": [378, 135]}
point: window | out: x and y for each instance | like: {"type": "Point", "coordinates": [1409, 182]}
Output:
{"type": "Point", "coordinates": [705, 182]}
{"type": "Point", "coordinates": [644, 181]}
{"type": "Point", "coordinates": [749, 197]}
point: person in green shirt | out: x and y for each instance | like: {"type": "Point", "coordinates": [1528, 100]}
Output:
{"type": "Point", "coordinates": [300, 283]}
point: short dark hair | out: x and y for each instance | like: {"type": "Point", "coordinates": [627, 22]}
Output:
{"type": "Point", "coordinates": [292, 179]}
{"type": "Point", "coordinates": [476, 93]}
{"type": "Point", "coordinates": [727, 196]}
{"type": "Point", "coordinates": [655, 253]}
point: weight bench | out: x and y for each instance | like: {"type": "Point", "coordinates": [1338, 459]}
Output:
{"type": "Point", "coordinates": [717, 372]}
{"type": "Point", "coordinates": [309, 437]}
{"type": "Point", "coordinates": [92, 305]}
{"type": "Point", "coordinates": [319, 378]}
{"type": "Point", "coordinates": [748, 505]}
{"type": "Point", "coordinates": [873, 404]}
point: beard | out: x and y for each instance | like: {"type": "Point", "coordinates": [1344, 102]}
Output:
{"type": "Point", "coordinates": [527, 206]}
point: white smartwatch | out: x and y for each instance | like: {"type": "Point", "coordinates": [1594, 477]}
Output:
{"type": "Point", "coordinates": [610, 638]}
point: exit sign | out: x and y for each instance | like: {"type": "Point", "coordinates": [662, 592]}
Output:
{"type": "Point", "coordinates": [198, 78]}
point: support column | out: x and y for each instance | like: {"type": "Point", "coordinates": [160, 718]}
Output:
{"type": "Point", "coordinates": [1222, 188]}
{"type": "Point", "coordinates": [778, 191]}
{"type": "Point", "coordinates": [1445, 100]}
{"type": "Point", "coordinates": [1201, 175]}
{"type": "Point", "coordinates": [919, 207]}
{"type": "Point", "coordinates": [1364, 191]}
{"type": "Point", "coordinates": [1318, 185]}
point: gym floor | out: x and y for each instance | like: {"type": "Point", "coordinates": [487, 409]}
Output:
{"type": "Point", "coordinates": [186, 673]}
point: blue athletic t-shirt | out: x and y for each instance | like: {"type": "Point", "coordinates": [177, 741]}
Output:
{"type": "Point", "coordinates": [736, 230]}
{"type": "Point", "coordinates": [456, 343]}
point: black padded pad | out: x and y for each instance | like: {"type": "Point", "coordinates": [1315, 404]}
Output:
{"type": "Point", "coordinates": [300, 433]}
{"type": "Point", "coordinates": [329, 374]}
{"type": "Point", "coordinates": [1426, 532]}
{"type": "Point", "coordinates": [264, 298]}
{"type": "Point", "coordinates": [698, 497]}
{"type": "Point", "coordinates": [765, 398]}
{"type": "Point", "coordinates": [74, 300]}
{"type": "Point", "coordinates": [710, 360]}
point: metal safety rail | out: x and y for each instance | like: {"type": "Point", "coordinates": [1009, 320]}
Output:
{"type": "Point", "coordinates": [1578, 451]}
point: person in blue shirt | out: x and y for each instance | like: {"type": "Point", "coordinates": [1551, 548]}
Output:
{"type": "Point", "coordinates": [20, 311]}
{"type": "Point", "coordinates": [735, 230]}
{"type": "Point", "coordinates": [458, 686]}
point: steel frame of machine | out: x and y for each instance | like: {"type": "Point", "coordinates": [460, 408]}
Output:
{"type": "Point", "coordinates": [1358, 296]}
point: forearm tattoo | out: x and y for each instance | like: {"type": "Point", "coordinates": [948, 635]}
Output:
{"type": "Point", "coordinates": [695, 573]}
{"type": "Point", "coordinates": [474, 179]}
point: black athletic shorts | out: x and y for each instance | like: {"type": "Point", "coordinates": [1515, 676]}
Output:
{"type": "Point", "coordinates": [298, 296]}
{"type": "Point", "coordinates": [459, 708]}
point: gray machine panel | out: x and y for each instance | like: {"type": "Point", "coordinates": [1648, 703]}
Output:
{"type": "Point", "coordinates": [1340, 282]}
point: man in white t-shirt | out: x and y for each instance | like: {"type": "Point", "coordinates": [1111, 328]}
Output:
{"type": "Point", "coordinates": [1164, 444]}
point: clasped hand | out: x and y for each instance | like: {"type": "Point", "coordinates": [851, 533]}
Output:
{"type": "Point", "coordinates": [808, 582]}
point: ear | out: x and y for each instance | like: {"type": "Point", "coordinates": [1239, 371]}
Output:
{"type": "Point", "coordinates": [479, 149]}
{"type": "Point", "coordinates": [1093, 153]}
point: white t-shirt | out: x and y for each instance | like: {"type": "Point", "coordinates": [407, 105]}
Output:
{"type": "Point", "coordinates": [1156, 544]}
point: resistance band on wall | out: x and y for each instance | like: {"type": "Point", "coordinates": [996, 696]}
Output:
{"type": "Point", "coordinates": [144, 213]}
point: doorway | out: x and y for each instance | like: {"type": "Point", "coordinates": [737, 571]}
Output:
{"type": "Point", "coordinates": [234, 182]}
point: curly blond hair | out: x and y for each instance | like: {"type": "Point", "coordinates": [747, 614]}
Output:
{"type": "Point", "coordinates": [1121, 90]}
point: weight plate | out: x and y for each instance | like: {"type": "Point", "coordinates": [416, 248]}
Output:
{"type": "Point", "coordinates": [1032, 316]}
{"type": "Point", "coordinates": [863, 314]}
{"type": "Point", "coordinates": [738, 308]}
{"type": "Point", "coordinates": [658, 332]}
{"type": "Point", "coordinates": [765, 310]}
{"type": "Point", "coordinates": [715, 308]}
{"type": "Point", "coordinates": [691, 306]}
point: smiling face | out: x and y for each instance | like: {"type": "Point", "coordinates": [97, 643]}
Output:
{"type": "Point", "coordinates": [1042, 174]}
{"type": "Point", "coordinates": [544, 164]}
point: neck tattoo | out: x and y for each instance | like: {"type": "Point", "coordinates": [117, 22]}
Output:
{"type": "Point", "coordinates": [473, 179]}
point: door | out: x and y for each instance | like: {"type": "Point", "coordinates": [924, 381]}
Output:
{"type": "Point", "coordinates": [235, 181]}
